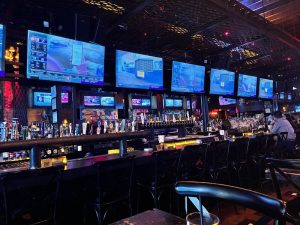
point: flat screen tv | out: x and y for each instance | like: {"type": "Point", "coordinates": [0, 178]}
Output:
{"type": "Point", "coordinates": [297, 108]}
{"type": "Point", "coordinates": [178, 103]}
{"type": "Point", "coordinates": [55, 58]}
{"type": "Point", "coordinates": [2, 49]}
{"type": "Point", "coordinates": [146, 102]}
{"type": "Point", "coordinates": [281, 96]}
{"type": "Point", "coordinates": [64, 97]}
{"type": "Point", "coordinates": [169, 102]}
{"type": "Point", "coordinates": [42, 99]}
{"type": "Point", "coordinates": [135, 70]}
{"type": "Point", "coordinates": [247, 86]}
{"type": "Point", "coordinates": [188, 104]}
{"type": "Point", "coordinates": [265, 88]}
{"type": "Point", "coordinates": [136, 101]}
{"type": "Point", "coordinates": [226, 101]}
{"type": "Point", "coordinates": [187, 78]}
{"type": "Point", "coordinates": [91, 100]}
{"type": "Point", "coordinates": [107, 101]}
{"type": "Point", "coordinates": [289, 97]}
{"type": "Point", "coordinates": [221, 82]}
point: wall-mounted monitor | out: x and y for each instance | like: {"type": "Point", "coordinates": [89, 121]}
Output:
{"type": "Point", "coordinates": [226, 101]}
{"type": "Point", "coordinates": [141, 102]}
{"type": "Point", "coordinates": [265, 88]}
{"type": "Point", "coordinates": [2, 50]}
{"type": "Point", "coordinates": [91, 100]}
{"type": "Point", "coordinates": [146, 102]}
{"type": "Point", "coordinates": [221, 82]}
{"type": "Point", "coordinates": [169, 102]}
{"type": "Point", "coordinates": [187, 78]}
{"type": "Point", "coordinates": [135, 70]}
{"type": "Point", "coordinates": [55, 58]}
{"type": "Point", "coordinates": [41, 99]}
{"type": "Point", "coordinates": [297, 108]}
{"type": "Point", "coordinates": [64, 97]}
{"type": "Point", "coordinates": [247, 86]}
{"type": "Point", "coordinates": [107, 101]}
{"type": "Point", "coordinates": [136, 101]}
{"type": "Point", "coordinates": [178, 103]}
{"type": "Point", "coordinates": [281, 96]}
{"type": "Point", "coordinates": [289, 96]}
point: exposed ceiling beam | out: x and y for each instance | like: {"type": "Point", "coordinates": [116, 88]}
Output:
{"type": "Point", "coordinates": [272, 6]}
{"type": "Point", "coordinates": [239, 11]}
{"type": "Point", "coordinates": [140, 7]}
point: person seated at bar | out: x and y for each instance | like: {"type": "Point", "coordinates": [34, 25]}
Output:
{"type": "Point", "coordinates": [283, 125]}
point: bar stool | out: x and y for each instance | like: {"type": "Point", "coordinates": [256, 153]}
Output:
{"type": "Point", "coordinates": [30, 196]}
{"type": "Point", "coordinates": [264, 204]}
{"type": "Point", "coordinates": [114, 186]}
{"type": "Point", "coordinates": [160, 176]}
{"type": "Point", "coordinates": [193, 163]}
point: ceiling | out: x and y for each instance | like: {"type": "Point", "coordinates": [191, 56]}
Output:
{"type": "Point", "coordinates": [260, 37]}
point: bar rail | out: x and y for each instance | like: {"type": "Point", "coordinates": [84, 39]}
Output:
{"type": "Point", "coordinates": [73, 140]}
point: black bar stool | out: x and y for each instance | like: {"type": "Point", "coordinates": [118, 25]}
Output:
{"type": "Point", "coordinates": [30, 196]}
{"type": "Point", "coordinates": [266, 205]}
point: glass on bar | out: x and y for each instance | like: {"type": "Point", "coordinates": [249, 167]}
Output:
{"type": "Point", "coordinates": [195, 219]}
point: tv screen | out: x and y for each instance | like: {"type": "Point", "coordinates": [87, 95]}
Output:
{"type": "Point", "coordinates": [169, 102]}
{"type": "Point", "coordinates": [281, 96]}
{"type": "Point", "coordinates": [297, 108]}
{"type": "Point", "coordinates": [91, 100]}
{"type": "Point", "coordinates": [55, 58]}
{"type": "Point", "coordinates": [221, 82]}
{"type": "Point", "coordinates": [108, 101]}
{"type": "Point", "coordinates": [178, 103]}
{"type": "Point", "coordinates": [42, 99]}
{"type": "Point", "coordinates": [226, 101]}
{"type": "Point", "coordinates": [188, 104]}
{"type": "Point", "coordinates": [136, 101]}
{"type": "Point", "coordinates": [265, 88]}
{"type": "Point", "coordinates": [247, 86]}
{"type": "Point", "coordinates": [64, 97]}
{"type": "Point", "coordinates": [289, 97]}
{"type": "Point", "coordinates": [187, 78]}
{"type": "Point", "coordinates": [138, 71]}
{"type": "Point", "coordinates": [146, 102]}
{"type": "Point", "coordinates": [2, 50]}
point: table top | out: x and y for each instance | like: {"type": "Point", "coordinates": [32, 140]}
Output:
{"type": "Point", "coordinates": [152, 217]}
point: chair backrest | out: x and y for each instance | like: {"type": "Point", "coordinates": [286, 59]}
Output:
{"type": "Point", "coordinates": [283, 136]}
{"type": "Point", "coordinates": [192, 161]}
{"type": "Point", "coordinates": [165, 166]}
{"type": "Point", "coordinates": [279, 164]}
{"type": "Point", "coordinates": [114, 177]}
{"type": "Point", "coordinates": [220, 152]}
{"type": "Point", "coordinates": [240, 146]}
{"type": "Point", "coordinates": [31, 191]}
{"type": "Point", "coordinates": [269, 206]}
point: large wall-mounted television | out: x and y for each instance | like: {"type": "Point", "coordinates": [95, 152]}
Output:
{"type": "Point", "coordinates": [226, 101]}
{"type": "Point", "coordinates": [107, 101]}
{"type": "Point", "coordinates": [135, 70]}
{"type": "Point", "coordinates": [2, 50]}
{"type": "Point", "coordinates": [247, 86]}
{"type": "Point", "coordinates": [91, 100]}
{"type": "Point", "coordinates": [187, 78]}
{"type": "Point", "coordinates": [55, 58]}
{"type": "Point", "coordinates": [221, 82]}
{"type": "Point", "coordinates": [265, 88]}
{"type": "Point", "coordinates": [281, 96]}
{"type": "Point", "coordinates": [141, 102]}
{"type": "Point", "coordinates": [297, 108]}
{"type": "Point", "coordinates": [42, 99]}
{"type": "Point", "coordinates": [173, 103]}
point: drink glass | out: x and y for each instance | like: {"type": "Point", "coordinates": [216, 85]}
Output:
{"type": "Point", "coordinates": [195, 217]}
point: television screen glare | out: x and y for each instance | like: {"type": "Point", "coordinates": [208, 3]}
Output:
{"type": "Point", "coordinates": [177, 102]}
{"type": "Point", "coordinates": [297, 108]}
{"type": "Point", "coordinates": [64, 97]}
{"type": "Point", "coordinates": [226, 101]}
{"type": "Point", "coordinates": [265, 88]}
{"type": "Point", "coordinates": [55, 58]}
{"type": "Point", "coordinates": [169, 102]}
{"type": "Point", "coordinates": [108, 101]}
{"type": "Point", "coordinates": [247, 86]}
{"type": "Point", "coordinates": [221, 82]}
{"type": "Point", "coordinates": [138, 71]}
{"type": "Point", "coordinates": [42, 99]}
{"type": "Point", "coordinates": [187, 78]}
{"type": "Point", "coordinates": [146, 102]}
{"type": "Point", "coordinates": [2, 50]}
{"type": "Point", "coordinates": [91, 100]}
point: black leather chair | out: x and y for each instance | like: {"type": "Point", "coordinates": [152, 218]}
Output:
{"type": "Point", "coordinates": [266, 205]}
{"type": "Point", "coordinates": [276, 166]}
{"type": "Point", "coordinates": [114, 187]}
{"type": "Point", "coordinates": [30, 196]}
